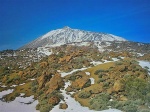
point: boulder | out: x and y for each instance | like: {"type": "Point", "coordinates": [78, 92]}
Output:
{"type": "Point", "coordinates": [63, 106]}
{"type": "Point", "coordinates": [80, 83]}
{"type": "Point", "coordinates": [55, 83]}
{"type": "Point", "coordinates": [41, 81]}
{"type": "Point", "coordinates": [43, 64]}
{"type": "Point", "coordinates": [54, 100]}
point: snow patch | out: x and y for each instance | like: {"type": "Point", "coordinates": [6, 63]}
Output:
{"type": "Point", "coordinates": [139, 54]}
{"type": "Point", "coordinates": [96, 63]}
{"type": "Point", "coordinates": [44, 50]}
{"type": "Point", "coordinates": [92, 80]}
{"type": "Point", "coordinates": [19, 105]}
{"type": "Point", "coordinates": [87, 73]}
{"type": "Point", "coordinates": [144, 64]}
{"type": "Point", "coordinates": [3, 86]}
{"type": "Point", "coordinates": [3, 93]}
{"type": "Point", "coordinates": [13, 85]}
{"type": "Point", "coordinates": [22, 84]}
{"type": "Point", "coordinates": [115, 59]}
{"type": "Point", "coordinates": [63, 74]}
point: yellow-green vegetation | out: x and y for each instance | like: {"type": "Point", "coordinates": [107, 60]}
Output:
{"type": "Point", "coordinates": [123, 85]}
{"type": "Point", "coordinates": [104, 66]}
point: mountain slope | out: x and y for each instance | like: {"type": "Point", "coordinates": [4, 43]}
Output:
{"type": "Point", "coordinates": [68, 35]}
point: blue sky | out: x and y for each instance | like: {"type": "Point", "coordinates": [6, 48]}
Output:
{"type": "Point", "coordinates": [22, 21]}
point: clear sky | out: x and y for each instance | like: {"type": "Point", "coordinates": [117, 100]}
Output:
{"type": "Point", "coordinates": [22, 21]}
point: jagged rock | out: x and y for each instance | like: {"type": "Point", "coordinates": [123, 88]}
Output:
{"type": "Point", "coordinates": [54, 100]}
{"type": "Point", "coordinates": [80, 83]}
{"type": "Point", "coordinates": [63, 106]}
{"type": "Point", "coordinates": [55, 83]}
{"type": "Point", "coordinates": [65, 59]}
{"type": "Point", "coordinates": [42, 80]}
{"type": "Point", "coordinates": [43, 64]}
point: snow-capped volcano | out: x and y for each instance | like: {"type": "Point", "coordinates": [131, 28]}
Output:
{"type": "Point", "coordinates": [67, 35]}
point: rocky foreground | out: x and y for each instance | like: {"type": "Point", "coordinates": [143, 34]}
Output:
{"type": "Point", "coordinates": [97, 80]}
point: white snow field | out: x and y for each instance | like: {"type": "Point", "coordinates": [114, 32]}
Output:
{"type": "Point", "coordinates": [20, 104]}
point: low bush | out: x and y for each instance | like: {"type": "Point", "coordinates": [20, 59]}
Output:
{"type": "Point", "coordinates": [147, 99]}
{"type": "Point", "coordinates": [87, 84]}
{"type": "Point", "coordinates": [100, 102]}
{"type": "Point", "coordinates": [100, 80]}
{"type": "Point", "coordinates": [99, 71]}
{"type": "Point", "coordinates": [45, 108]}
{"type": "Point", "coordinates": [84, 94]}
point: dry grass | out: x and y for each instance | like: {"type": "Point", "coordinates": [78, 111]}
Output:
{"type": "Point", "coordinates": [104, 66]}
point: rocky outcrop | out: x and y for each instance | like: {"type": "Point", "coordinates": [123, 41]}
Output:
{"type": "Point", "coordinates": [55, 83]}
{"type": "Point", "coordinates": [81, 83]}
{"type": "Point", "coordinates": [65, 59]}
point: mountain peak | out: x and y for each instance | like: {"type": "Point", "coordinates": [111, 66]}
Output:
{"type": "Point", "coordinates": [67, 35]}
{"type": "Point", "coordinates": [66, 27]}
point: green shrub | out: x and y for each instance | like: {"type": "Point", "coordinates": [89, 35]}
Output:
{"type": "Point", "coordinates": [100, 80]}
{"type": "Point", "coordinates": [98, 71]}
{"type": "Point", "coordinates": [135, 88]}
{"type": "Point", "coordinates": [106, 84]}
{"type": "Point", "coordinates": [84, 94]}
{"type": "Point", "coordinates": [16, 78]}
{"type": "Point", "coordinates": [143, 110]}
{"type": "Point", "coordinates": [34, 83]}
{"type": "Point", "coordinates": [72, 78]}
{"type": "Point", "coordinates": [100, 75]}
{"type": "Point", "coordinates": [45, 108]}
{"type": "Point", "coordinates": [87, 84]}
{"type": "Point", "coordinates": [127, 106]}
{"type": "Point", "coordinates": [34, 89]}
{"type": "Point", "coordinates": [100, 102]}
{"type": "Point", "coordinates": [9, 81]}
{"type": "Point", "coordinates": [130, 108]}
{"type": "Point", "coordinates": [148, 99]}
{"type": "Point", "coordinates": [118, 63]}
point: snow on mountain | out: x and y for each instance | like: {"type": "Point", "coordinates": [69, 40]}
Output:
{"type": "Point", "coordinates": [67, 35]}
